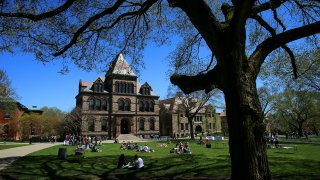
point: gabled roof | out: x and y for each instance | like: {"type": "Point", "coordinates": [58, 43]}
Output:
{"type": "Point", "coordinates": [120, 66]}
{"type": "Point", "coordinates": [172, 104]}
{"type": "Point", "coordinates": [152, 93]}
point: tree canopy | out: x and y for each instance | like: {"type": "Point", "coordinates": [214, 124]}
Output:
{"type": "Point", "coordinates": [239, 36]}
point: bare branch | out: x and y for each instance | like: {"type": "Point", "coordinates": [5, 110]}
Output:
{"type": "Point", "coordinates": [41, 16]}
{"type": "Point", "coordinates": [274, 42]}
{"type": "Point", "coordinates": [145, 6]}
{"type": "Point", "coordinates": [267, 6]}
{"type": "Point", "coordinates": [285, 47]}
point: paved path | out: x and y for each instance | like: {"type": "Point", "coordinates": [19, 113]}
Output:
{"type": "Point", "coordinates": [7, 156]}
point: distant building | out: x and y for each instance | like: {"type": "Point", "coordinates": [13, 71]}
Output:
{"type": "Point", "coordinates": [174, 123]}
{"type": "Point", "coordinates": [10, 129]}
{"type": "Point", "coordinates": [224, 123]}
{"type": "Point", "coordinates": [117, 104]}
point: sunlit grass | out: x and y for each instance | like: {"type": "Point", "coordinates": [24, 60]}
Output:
{"type": "Point", "coordinates": [302, 163]}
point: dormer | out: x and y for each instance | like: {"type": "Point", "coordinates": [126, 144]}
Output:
{"type": "Point", "coordinates": [145, 89]}
{"type": "Point", "coordinates": [98, 85]}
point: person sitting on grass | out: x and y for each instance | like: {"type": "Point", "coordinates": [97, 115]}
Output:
{"type": "Point", "coordinates": [138, 163]}
{"type": "Point", "coordinates": [122, 162]}
{"type": "Point", "coordinates": [186, 149]}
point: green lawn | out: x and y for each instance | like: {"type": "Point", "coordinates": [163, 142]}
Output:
{"type": "Point", "coordinates": [214, 163]}
{"type": "Point", "coordinates": [11, 145]}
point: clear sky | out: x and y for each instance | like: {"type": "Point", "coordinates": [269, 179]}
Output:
{"type": "Point", "coordinates": [40, 85]}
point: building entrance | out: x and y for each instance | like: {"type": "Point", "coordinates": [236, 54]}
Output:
{"type": "Point", "coordinates": [125, 126]}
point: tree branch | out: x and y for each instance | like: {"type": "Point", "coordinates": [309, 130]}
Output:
{"type": "Point", "coordinates": [267, 6]}
{"type": "Point", "coordinates": [189, 84]}
{"type": "Point", "coordinates": [145, 6]}
{"type": "Point", "coordinates": [273, 33]}
{"type": "Point", "coordinates": [41, 16]}
{"type": "Point", "coordinates": [274, 42]}
{"type": "Point", "coordinates": [87, 24]}
{"type": "Point", "coordinates": [203, 20]}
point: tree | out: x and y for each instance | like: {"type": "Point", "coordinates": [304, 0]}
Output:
{"type": "Point", "coordinates": [73, 121]}
{"type": "Point", "coordinates": [52, 121]}
{"type": "Point", "coordinates": [7, 94]}
{"type": "Point", "coordinates": [240, 36]}
{"type": "Point", "coordinates": [191, 105]}
{"type": "Point", "coordinates": [297, 108]}
{"type": "Point", "coordinates": [308, 63]}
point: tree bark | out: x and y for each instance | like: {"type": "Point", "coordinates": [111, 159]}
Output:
{"type": "Point", "coordinates": [246, 129]}
{"type": "Point", "coordinates": [191, 128]}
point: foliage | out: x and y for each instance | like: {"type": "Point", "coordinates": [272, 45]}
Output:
{"type": "Point", "coordinates": [240, 35]}
{"type": "Point", "coordinates": [204, 163]}
{"type": "Point", "coordinates": [73, 121]}
{"type": "Point", "coordinates": [7, 94]}
{"type": "Point", "coordinates": [52, 121]}
{"type": "Point", "coordinates": [278, 71]}
{"type": "Point", "coordinates": [298, 109]}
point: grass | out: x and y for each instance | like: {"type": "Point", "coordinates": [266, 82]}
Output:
{"type": "Point", "coordinates": [11, 145]}
{"type": "Point", "coordinates": [204, 163]}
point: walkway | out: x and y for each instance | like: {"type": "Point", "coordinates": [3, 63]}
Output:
{"type": "Point", "coordinates": [7, 156]}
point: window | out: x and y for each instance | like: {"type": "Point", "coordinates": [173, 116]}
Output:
{"type": "Point", "coordinates": [91, 125]}
{"type": "Point", "coordinates": [141, 106]}
{"type": "Point", "coordinates": [91, 104]}
{"type": "Point", "coordinates": [141, 124]}
{"type": "Point", "coordinates": [182, 126]}
{"type": "Point", "coordinates": [117, 87]}
{"type": "Point", "coordinates": [210, 125]}
{"type": "Point", "coordinates": [104, 126]}
{"type": "Point", "coordinates": [104, 105]}
{"type": "Point", "coordinates": [7, 115]}
{"type": "Point", "coordinates": [98, 104]}
{"type": "Point", "coordinates": [121, 105]}
{"type": "Point", "coordinates": [127, 105]}
{"type": "Point", "coordinates": [151, 125]}
{"type": "Point", "coordinates": [187, 126]}
{"type": "Point", "coordinates": [147, 106]}
{"type": "Point", "coordinates": [152, 106]}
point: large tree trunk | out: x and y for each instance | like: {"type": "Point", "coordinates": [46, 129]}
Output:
{"type": "Point", "coordinates": [246, 131]}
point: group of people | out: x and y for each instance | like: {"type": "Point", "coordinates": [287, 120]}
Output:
{"type": "Point", "coordinates": [75, 140]}
{"type": "Point", "coordinates": [136, 164]}
{"type": "Point", "coordinates": [132, 146]}
{"type": "Point", "coordinates": [181, 148]}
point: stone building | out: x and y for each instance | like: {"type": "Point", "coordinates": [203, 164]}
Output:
{"type": "Point", "coordinates": [117, 104]}
{"type": "Point", "coordinates": [174, 123]}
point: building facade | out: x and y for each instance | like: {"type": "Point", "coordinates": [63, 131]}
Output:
{"type": "Point", "coordinates": [117, 104]}
{"type": "Point", "coordinates": [10, 128]}
{"type": "Point", "coordinates": [174, 123]}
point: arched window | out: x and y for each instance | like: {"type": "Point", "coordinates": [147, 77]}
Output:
{"type": "Point", "coordinates": [147, 106]}
{"type": "Point", "coordinates": [151, 125]}
{"type": "Point", "coordinates": [121, 105]}
{"type": "Point", "coordinates": [104, 105]}
{"type": "Point", "coordinates": [127, 105]}
{"type": "Point", "coordinates": [98, 104]}
{"type": "Point", "coordinates": [152, 106]}
{"type": "Point", "coordinates": [104, 125]}
{"type": "Point", "coordinates": [91, 104]}
{"type": "Point", "coordinates": [141, 106]}
{"type": "Point", "coordinates": [91, 125]}
{"type": "Point", "coordinates": [141, 124]}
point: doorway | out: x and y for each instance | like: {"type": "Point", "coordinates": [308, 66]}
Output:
{"type": "Point", "coordinates": [125, 126]}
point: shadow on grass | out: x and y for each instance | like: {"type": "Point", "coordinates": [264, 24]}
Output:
{"type": "Point", "coordinates": [49, 167]}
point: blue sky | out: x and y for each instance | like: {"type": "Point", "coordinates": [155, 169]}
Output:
{"type": "Point", "coordinates": [39, 84]}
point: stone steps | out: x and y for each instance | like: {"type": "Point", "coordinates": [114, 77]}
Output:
{"type": "Point", "coordinates": [128, 137]}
